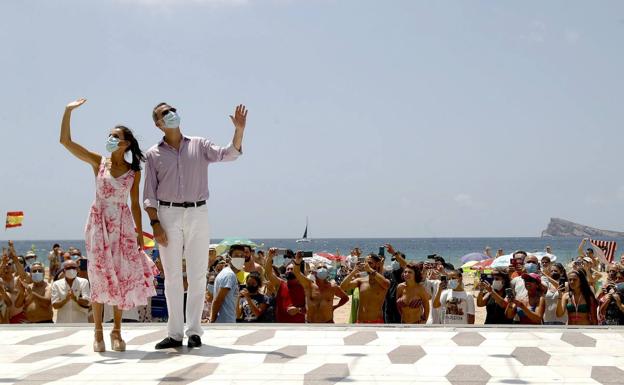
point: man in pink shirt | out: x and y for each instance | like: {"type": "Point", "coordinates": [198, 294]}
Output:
{"type": "Point", "coordinates": [175, 195]}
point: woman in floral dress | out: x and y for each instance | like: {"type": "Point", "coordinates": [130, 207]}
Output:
{"type": "Point", "coordinates": [120, 273]}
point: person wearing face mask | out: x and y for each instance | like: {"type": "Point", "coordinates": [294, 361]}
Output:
{"type": "Point", "coordinates": [251, 303]}
{"type": "Point", "coordinates": [70, 296]}
{"type": "Point", "coordinates": [320, 293]}
{"type": "Point", "coordinates": [373, 287]}
{"type": "Point", "coordinates": [529, 310]}
{"type": "Point", "coordinates": [529, 266]}
{"type": "Point", "coordinates": [290, 304]}
{"type": "Point", "coordinates": [556, 275]}
{"type": "Point", "coordinates": [226, 289]}
{"type": "Point", "coordinates": [458, 305]}
{"type": "Point", "coordinates": [29, 259]}
{"type": "Point", "coordinates": [38, 298]}
{"type": "Point", "coordinates": [120, 274]}
{"type": "Point", "coordinates": [175, 196]}
{"type": "Point", "coordinates": [492, 296]}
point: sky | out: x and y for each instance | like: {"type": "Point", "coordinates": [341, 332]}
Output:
{"type": "Point", "coordinates": [374, 119]}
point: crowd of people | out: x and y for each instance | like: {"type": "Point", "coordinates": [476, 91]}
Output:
{"type": "Point", "coordinates": [246, 285]}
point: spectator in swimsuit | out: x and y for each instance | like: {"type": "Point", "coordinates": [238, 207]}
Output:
{"type": "Point", "coordinates": [578, 301]}
{"type": "Point", "coordinates": [412, 297]}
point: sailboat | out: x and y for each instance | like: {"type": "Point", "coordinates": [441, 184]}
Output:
{"type": "Point", "coordinates": [305, 234]}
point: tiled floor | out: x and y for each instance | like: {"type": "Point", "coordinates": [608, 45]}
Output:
{"type": "Point", "coordinates": [280, 354]}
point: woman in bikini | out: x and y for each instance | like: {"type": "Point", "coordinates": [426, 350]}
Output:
{"type": "Point", "coordinates": [412, 298]}
{"type": "Point", "coordinates": [120, 274]}
{"type": "Point", "coordinates": [578, 301]}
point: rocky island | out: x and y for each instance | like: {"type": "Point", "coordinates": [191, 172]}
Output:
{"type": "Point", "coordinates": [562, 228]}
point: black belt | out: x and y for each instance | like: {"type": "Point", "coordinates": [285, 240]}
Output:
{"type": "Point", "coordinates": [183, 204]}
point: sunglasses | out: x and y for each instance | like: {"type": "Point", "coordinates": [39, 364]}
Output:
{"type": "Point", "coordinates": [165, 112]}
{"type": "Point", "coordinates": [36, 271]}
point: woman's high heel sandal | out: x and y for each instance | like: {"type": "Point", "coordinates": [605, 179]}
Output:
{"type": "Point", "coordinates": [117, 343]}
{"type": "Point", "coordinates": [98, 346]}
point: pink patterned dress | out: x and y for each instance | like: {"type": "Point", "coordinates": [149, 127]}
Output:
{"type": "Point", "coordinates": [119, 273]}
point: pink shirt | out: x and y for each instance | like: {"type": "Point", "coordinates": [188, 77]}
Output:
{"type": "Point", "coordinates": [182, 176]}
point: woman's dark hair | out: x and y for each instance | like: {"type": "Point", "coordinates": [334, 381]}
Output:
{"type": "Point", "coordinates": [417, 268]}
{"type": "Point", "coordinates": [586, 291]}
{"type": "Point", "coordinates": [135, 150]}
{"type": "Point", "coordinates": [560, 267]}
{"type": "Point", "coordinates": [502, 272]}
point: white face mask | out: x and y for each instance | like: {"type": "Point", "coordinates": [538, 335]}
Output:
{"type": "Point", "coordinates": [238, 263]}
{"type": "Point", "coordinates": [71, 274]}
{"type": "Point", "coordinates": [453, 283]}
{"type": "Point", "coordinates": [171, 120]}
{"type": "Point", "coordinates": [37, 277]}
{"type": "Point", "coordinates": [497, 285]}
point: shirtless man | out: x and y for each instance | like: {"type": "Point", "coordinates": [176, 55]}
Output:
{"type": "Point", "coordinates": [38, 300]}
{"type": "Point", "coordinates": [250, 264]}
{"type": "Point", "coordinates": [372, 289]}
{"type": "Point", "coordinates": [319, 293]}
{"type": "Point", "coordinates": [14, 279]}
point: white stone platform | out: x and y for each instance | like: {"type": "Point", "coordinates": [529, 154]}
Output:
{"type": "Point", "coordinates": [309, 354]}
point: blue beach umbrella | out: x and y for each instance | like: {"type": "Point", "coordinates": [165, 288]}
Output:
{"type": "Point", "coordinates": [474, 257]}
{"type": "Point", "coordinates": [502, 261]}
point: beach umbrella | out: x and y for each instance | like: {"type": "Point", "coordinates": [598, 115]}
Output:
{"type": "Point", "coordinates": [317, 260]}
{"type": "Point", "coordinates": [331, 257]}
{"type": "Point", "coordinates": [474, 257]}
{"type": "Point", "coordinates": [227, 242]}
{"type": "Point", "coordinates": [502, 261]}
{"type": "Point", "coordinates": [542, 254]}
{"type": "Point", "coordinates": [466, 266]}
{"type": "Point", "coordinates": [483, 264]}
{"type": "Point", "coordinates": [219, 248]}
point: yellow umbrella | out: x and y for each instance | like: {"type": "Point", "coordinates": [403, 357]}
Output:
{"type": "Point", "coordinates": [468, 265]}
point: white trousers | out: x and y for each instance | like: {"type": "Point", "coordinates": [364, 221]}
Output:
{"type": "Point", "coordinates": [188, 236]}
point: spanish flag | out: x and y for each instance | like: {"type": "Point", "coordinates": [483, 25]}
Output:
{"type": "Point", "coordinates": [148, 240]}
{"type": "Point", "coordinates": [14, 219]}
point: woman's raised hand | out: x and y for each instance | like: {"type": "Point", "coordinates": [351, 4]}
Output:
{"type": "Point", "coordinates": [75, 104]}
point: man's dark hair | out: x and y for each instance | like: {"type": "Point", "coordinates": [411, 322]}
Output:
{"type": "Point", "coordinates": [289, 254]}
{"type": "Point", "coordinates": [155, 108]}
{"type": "Point", "coordinates": [56, 245]}
{"type": "Point", "coordinates": [233, 248]}
{"type": "Point", "coordinates": [375, 257]}
{"type": "Point", "coordinates": [247, 247]}
{"type": "Point", "coordinates": [261, 252]}
{"type": "Point", "coordinates": [256, 276]}
{"type": "Point", "coordinates": [440, 259]}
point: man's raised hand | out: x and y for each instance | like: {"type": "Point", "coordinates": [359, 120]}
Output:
{"type": "Point", "coordinates": [240, 117]}
{"type": "Point", "coordinates": [75, 104]}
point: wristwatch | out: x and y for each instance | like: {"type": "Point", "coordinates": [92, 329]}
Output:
{"type": "Point", "coordinates": [153, 222]}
